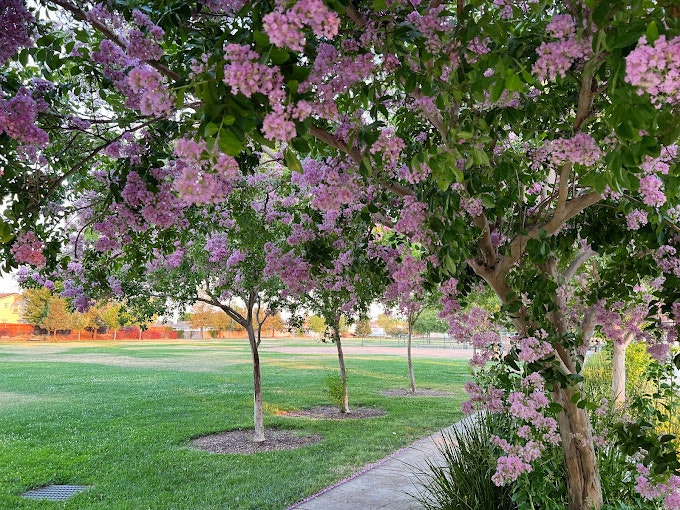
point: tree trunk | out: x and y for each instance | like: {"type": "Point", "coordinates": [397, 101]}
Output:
{"type": "Point", "coordinates": [79, 331]}
{"type": "Point", "coordinates": [619, 371]}
{"type": "Point", "coordinates": [140, 333]}
{"type": "Point", "coordinates": [115, 334]}
{"type": "Point", "coordinates": [583, 477]}
{"type": "Point", "coordinates": [344, 408]}
{"type": "Point", "coordinates": [258, 434]}
{"type": "Point", "coordinates": [409, 359]}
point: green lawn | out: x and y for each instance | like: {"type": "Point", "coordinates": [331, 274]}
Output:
{"type": "Point", "coordinates": [118, 417]}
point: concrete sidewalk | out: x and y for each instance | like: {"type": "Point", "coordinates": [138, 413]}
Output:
{"type": "Point", "coordinates": [387, 484]}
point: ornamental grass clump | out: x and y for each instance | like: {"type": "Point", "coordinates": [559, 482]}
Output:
{"type": "Point", "coordinates": [461, 480]}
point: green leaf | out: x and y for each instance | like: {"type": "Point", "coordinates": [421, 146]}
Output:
{"type": "Point", "coordinates": [480, 157]}
{"type": "Point", "coordinates": [210, 130]}
{"type": "Point", "coordinates": [292, 161]}
{"type": "Point", "coordinates": [652, 32]}
{"type": "Point", "coordinates": [278, 56]}
{"type": "Point", "coordinates": [261, 39]}
{"type": "Point", "coordinates": [229, 143]}
{"type": "Point", "coordinates": [365, 168]}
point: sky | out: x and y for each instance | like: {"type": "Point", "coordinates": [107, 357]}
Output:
{"type": "Point", "coordinates": [8, 284]}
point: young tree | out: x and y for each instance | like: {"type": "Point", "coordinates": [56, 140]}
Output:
{"type": "Point", "coordinates": [109, 316]}
{"type": "Point", "coordinates": [58, 317]}
{"type": "Point", "coordinates": [363, 328]}
{"type": "Point", "coordinates": [316, 324]}
{"type": "Point", "coordinates": [429, 322]}
{"type": "Point", "coordinates": [524, 137]}
{"type": "Point", "coordinates": [81, 321]}
{"type": "Point", "coordinates": [36, 305]}
{"type": "Point", "coordinates": [200, 316]}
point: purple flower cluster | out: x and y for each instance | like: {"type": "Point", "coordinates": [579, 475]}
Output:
{"type": "Point", "coordinates": [285, 28]}
{"type": "Point", "coordinates": [14, 28]}
{"type": "Point", "coordinates": [143, 86]}
{"type": "Point", "coordinates": [18, 116]}
{"type": "Point", "coordinates": [655, 69]}
{"type": "Point", "coordinates": [28, 249]}
{"type": "Point", "coordinates": [333, 74]}
{"type": "Point", "coordinates": [555, 58]}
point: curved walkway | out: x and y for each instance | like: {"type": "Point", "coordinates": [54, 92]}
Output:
{"type": "Point", "coordinates": [387, 484]}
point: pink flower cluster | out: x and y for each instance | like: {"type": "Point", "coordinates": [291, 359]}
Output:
{"type": "Point", "coordinates": [662, 164]}
{"type": "Point", "coordinates": [667, 259]}
{"type": "Point", "coordinates": [285, 28]}
{"type": "Point", "coordinates": [636, 219]}
{"type": "Point", "coordinates": [292, 269]}
{"type": "Point", "coordinates": [202, 176]}
{"type": "Point", "coordinates": [333, 74]}
{"type": "Point", "coordinates": [144, 46]}
{"type": "Point", "coordinates": [651, 191]}
{"type": "Point", "coordinates": [14, 31]}
{"type": "Point", "coordinates": [655, 69]}
{"type": "Point", "coordinates": [412, 220]}
{"type": "Point", "coordinates": [555, 58]}
{"type": "Point", "coordinates": [161, 208]}
{"type": "Point", "coordinates": [668, 491]}
{"type": "Point", "coordinates": [619, 323]}
{"type": "Point", "coordinates": [533, 349]}
{"type": "Point", "coordinates": [154, 97]}
{"type": "Point", "coordinates": [18, 116]}
{"type": "Point", "coordinates": [476, 327]}
{"type": "Point", "coordinates": [489, 399]}
{"type": "Point", "coordinates": [28, 249]}
{"type": "Point", "coordinates": [434, 28]}
{"type": "Point", "coordinates": [581, 149]}
{"type": "Point", "coordinates": [390, 146]}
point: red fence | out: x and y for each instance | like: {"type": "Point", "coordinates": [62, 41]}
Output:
{"type": "Point", "coordinates": [127, 333]}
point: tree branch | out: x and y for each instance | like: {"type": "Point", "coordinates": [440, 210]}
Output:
{"type": "Point", "coordinates": [580, 259]}
{"type": "Point", "coordinates": [329, 139]}
{"type": "Point", "coordinates": [570, 209]}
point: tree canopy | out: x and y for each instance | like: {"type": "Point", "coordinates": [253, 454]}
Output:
{"type": "Point", "coordinates": [530, 146]}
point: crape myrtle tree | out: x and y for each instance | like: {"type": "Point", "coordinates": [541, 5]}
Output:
{"type": "Point", "coordinates": [333, 265]}
{"type": "Point", "coordinates": [407, 295]}
{"type": "Point", "coordinates": [210, 253]}
{"type": "Point", "coordinates": [525, 137]}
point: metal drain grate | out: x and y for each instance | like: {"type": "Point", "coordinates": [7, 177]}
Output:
{"type": "Point", "coordinates": [55, 492]}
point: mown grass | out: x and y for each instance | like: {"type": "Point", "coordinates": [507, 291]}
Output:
{"type": "Point", "coordinates": [123, 430]}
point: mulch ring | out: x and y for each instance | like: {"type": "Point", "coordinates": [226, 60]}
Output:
{"type": "Point", "coordinates": [241, 441]}
{"type": "Point", "coordinates": [333, 413]}
{"type": "Point", "coordinates": [418, 393]}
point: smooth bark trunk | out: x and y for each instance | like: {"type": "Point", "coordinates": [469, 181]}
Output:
{"type": "Point", "coordinates": [584, 487]}
{"type": "Point", "coordinates": [619, 370]}
{"type": "Point", "coordinates": [258, 434]}
{"type": "Point", "coordinates": [344, 408]}
{"type": "Point", "coordinates": [409, 358]}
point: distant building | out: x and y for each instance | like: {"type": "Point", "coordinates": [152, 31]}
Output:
{"type": "Point", "coordinates": [11, 308]}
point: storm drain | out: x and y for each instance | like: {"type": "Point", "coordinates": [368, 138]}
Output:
{"type": "Point", "coordinates": [55, 492]}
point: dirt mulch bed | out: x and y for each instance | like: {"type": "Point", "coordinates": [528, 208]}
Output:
{"type": "Point", "coordinates": [418, 393]}
{"type": "Point", "coordinates": [333, 413]}
{"type": "Point", "coordinates": [241, 441]}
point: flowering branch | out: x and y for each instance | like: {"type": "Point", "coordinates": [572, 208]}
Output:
{"type": "Point", "coordinates": [109, 34]}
